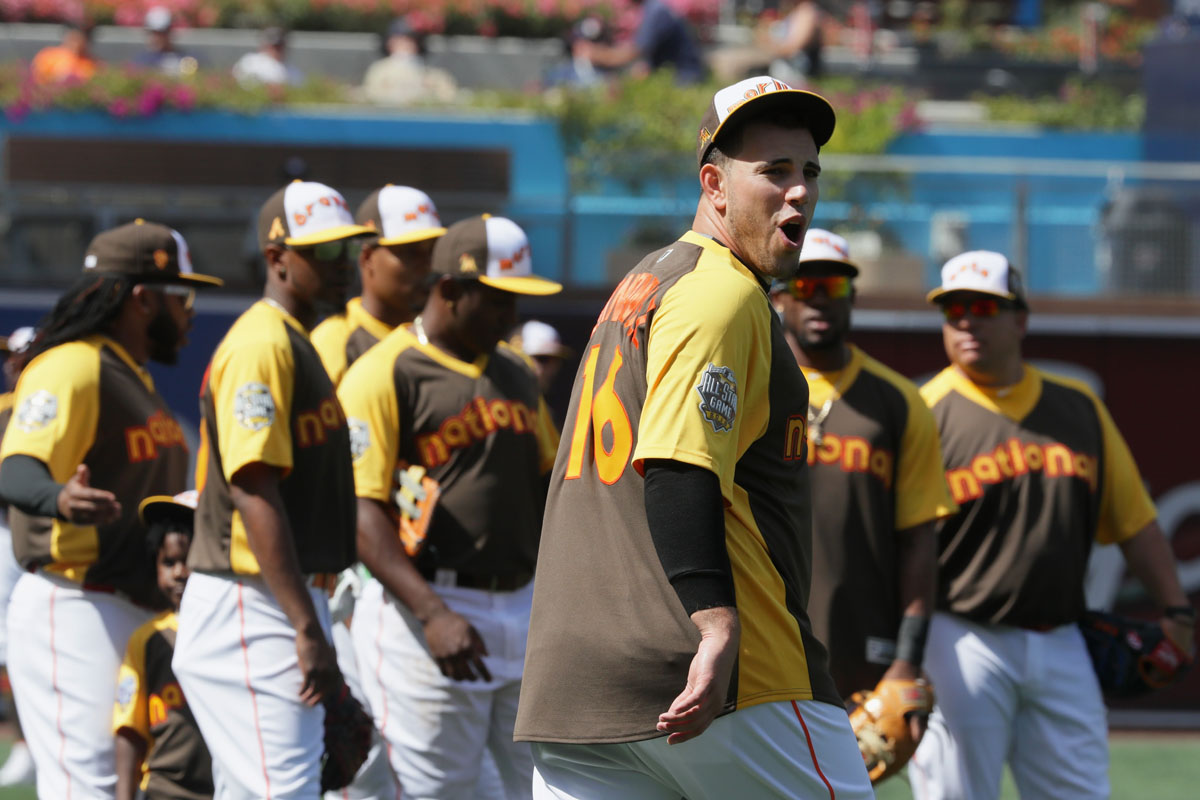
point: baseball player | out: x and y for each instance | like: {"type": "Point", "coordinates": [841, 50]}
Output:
{"type": "Point", "coordinates": [18, 767]}
{"type": "Point", "coordinates": [159, 748]}
{"type": "Point", "coordinates": [89, 438]}
{"type": "Point", "coordinates": [444, 619]}
{"type": "Point", "coordinates": [669, 650]}
{"type": "Point", "coordinates": [275, 514]}
{"type": "Point", "coordinates": [1039, 472]}
{"type": "Point", "coordinates": [394, 266]}
{"type": "Point", "coordinates": [545, 349]}
{"type": "Point", "coordinates": [877, 467]}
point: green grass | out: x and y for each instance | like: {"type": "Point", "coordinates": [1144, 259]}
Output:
{"type": "Point", "coordinates": [1163, 767]}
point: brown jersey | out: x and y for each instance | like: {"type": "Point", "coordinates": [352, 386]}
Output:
{"type": "Point", "coordinates": [88, 402]}
{"type": "Point", "coordinates": [877, 470]}
{"type": "Point", "coordinates": [342, 338]}
{"type": "Point", "coordinates": [481, 430]}
{"type": "Point", "coordinates": [1039, 472]}
{"type": "Point", "coordinates": [6, 403]}
{"type": "Point", "coordinates": [150, 703]}
{"type": "Point", "coordinates": [266, 398]}
{"type": "Point", "coordinates": [687, 362]}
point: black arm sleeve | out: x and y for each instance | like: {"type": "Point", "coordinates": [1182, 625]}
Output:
{"type": "Point", "coordinates": [25, 483]}
{"type": "Point", "coordinates": [687, 523]}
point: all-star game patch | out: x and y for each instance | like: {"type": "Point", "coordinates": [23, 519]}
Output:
{"type": "Point", "coordinates": [718, 397]}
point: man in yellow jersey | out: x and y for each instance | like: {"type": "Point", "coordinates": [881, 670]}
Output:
{"type": "Point", "coordinates": [394, 266]}
{"type": "Point", "coordinates": [89, 438]}
{"type": "Point", "coordinates": [275, 516]}
{"type": "Point", "coordinates": [669, 648]}
{"type": "Point", "coordinates": [442, 623]}
{"type": "Point", "coordinates": [877, 469]}
{"type": "Point", "coordinates": [1039, 472]}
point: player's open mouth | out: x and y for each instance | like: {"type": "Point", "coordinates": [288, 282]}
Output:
{"type": "Point", "coordinates": [793, 232]}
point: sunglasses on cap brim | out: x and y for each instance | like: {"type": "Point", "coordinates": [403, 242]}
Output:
{"type": "Point", "coordinates": [979, 308]}
{"type": "Point", "coordinates": [804, 287]}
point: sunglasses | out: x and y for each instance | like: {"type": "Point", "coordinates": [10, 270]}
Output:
{"type": "Point", "coordinates": [982, 308]}
{"type": "Point", "coordinates": [329, 252]}
{"type": "Point", "coordinates": [836, 287]}
{"type": "Point", "coordinates": [187, 294]}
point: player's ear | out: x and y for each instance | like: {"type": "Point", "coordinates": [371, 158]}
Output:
{"type": "Point", "coordinates": [273, 254]}
{"type": "Point", "coordinates": [142, 296]}
{"type": "Point", "coordinates": [712, 185]}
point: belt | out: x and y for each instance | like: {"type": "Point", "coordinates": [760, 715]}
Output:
{"type": "Point", "coordinates": [504, 582]}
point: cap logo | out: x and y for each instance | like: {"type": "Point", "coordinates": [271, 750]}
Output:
{"type": "Point", "coordinates": [506, 264]}
{"type": "Point", "coordinates": [276, 231]}
{"type": "Point", "coordinates": [302, 217]}
{"type": "Point", "coordinates": [161, 259]}
{"type": "Point", "coordinates": [467, 265]}
{"type": "Point", "coordinates": [825, 240]}
{"type": "Point", "coordinates": [758, 89]}
{"type": "Point", "coordinates": [704, 136]}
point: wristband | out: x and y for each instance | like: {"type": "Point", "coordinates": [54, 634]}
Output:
{"type": "Point", "coordinates": [910, 639]}
{"type": "Point", "coordinates": [1176, 612]}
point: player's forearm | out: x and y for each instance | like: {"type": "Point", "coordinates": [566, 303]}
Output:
{"type": "Point", "coordinates": [380, 550]}
{"type": "Point", "coordinates": [917, 557]}
{"type": "Point", "coordinates": [255, 494]}
{"type": "Point", "coordinates": [25, 483]}
{"type": "Point", "coordinates": [130, 750]}
{"type": "Point", "coordinates": [1150, 559]}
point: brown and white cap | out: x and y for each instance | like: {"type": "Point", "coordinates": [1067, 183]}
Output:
{"type": "Point", "coordinates": [305, 213]}
{"type": "Point", "coordinates": [492, 250]}
{"type": "Point", "coordinates": [761, 93]}
{"type": "Point", "coordinates": [826, 250]}
{"type": "Point", "coordinates": [400, 215]}
{"type": "Point", "coordinates": [982, 271]}
{"type": "Point", "coordinates": [147, 251]}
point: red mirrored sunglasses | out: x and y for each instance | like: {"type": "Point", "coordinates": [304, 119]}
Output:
{"type": "Point", "coordinates": [980, 308]}
{"type": "Point", "coordinates": [836, 287]}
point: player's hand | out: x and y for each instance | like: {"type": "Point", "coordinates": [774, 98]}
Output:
{"type": "Point", "coordinates": [901, 670]}
{"type": "Point", "coordinates": [1183, 635]}
{"type": "Point", "coordinates": [456, 646]}
{"type": "Point", "coordinates": [80, 504]}
{"type": "Point", "coordinates": [708, 676]}
{"type": "Point", "coordinates": [318, 665]}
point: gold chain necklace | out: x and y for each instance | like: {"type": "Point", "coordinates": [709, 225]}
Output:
{"type": "Point", "coordinates": [816, 431]}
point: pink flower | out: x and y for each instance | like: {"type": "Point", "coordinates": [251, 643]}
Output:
{"type": "Point", "coordinates": [151, 99]}
{"type": "Point", "coordinates": [17, 111]}
{"type": "Point", "coordinates": [120, 107]}
{"type": "Point", "coordinates": [183, 98]}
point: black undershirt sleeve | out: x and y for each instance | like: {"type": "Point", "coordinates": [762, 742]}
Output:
{"type": "Point", "coordinates": [25, 483]}
{"type": "Point", "coordinates": [687, 524]}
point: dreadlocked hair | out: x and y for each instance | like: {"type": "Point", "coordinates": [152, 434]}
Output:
{"type": "Point", "coordinates": [89, 306]}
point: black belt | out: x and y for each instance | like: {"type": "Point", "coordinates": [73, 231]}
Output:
{"type": "Point", "coordinates": [504, 582]}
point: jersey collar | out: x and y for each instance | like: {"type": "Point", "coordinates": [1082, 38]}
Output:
{"type": "Point", "coordinates": [283, 313]}
{"type": "Point", "coordinates": [822, 385]}
{"type": "Point", "coordinates": [361, 317]}
{"type": "Point", "coordinates": [123, 354]}
{"type": "Point", "coordinates": [1014, 402]}
{"type": "Point", "coordinates": [472, 369]}
{"type": "Point", "coordinates": [714, 245]}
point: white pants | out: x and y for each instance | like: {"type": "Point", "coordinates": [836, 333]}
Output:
{"type": "Point", "coordinates": [437, 729]}
{"type": "Point", "coordinates": [803, 749]}
{"type": "Point", "coordinates": [235, 658]}
{"type": "Point", "coordinates": [10, 573]}
{"type": "Point", "coordinates": [64, 678]}
{"type": "Point", "coordinates": [1008, 694]}
{"type": "Point", "coordinates": [374, 779]}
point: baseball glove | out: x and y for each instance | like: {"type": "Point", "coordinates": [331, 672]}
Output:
{"type": "Point", "coordinates": [416, 497]}
{"type": "Point", "coordinates": [348, 733]}
{"type": "Point", "coordinates": [1130, 656]}
{"type": "Point", "coordinates": [879, 721]}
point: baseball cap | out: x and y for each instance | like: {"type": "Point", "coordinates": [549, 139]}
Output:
{"type": "Point", "coordinates": [828, 249]}
{"type": "Point", "coordinates": [19, 340]}
{"type": "Point", "coordinates": [148, 251]}
{"type": "Point", "coordinates": [164, 506]}
{"type": "Point", "coordinates": [982, 271]}
{"type": "Point", "coordinates": [762, 92]}
{"type": "Point", "coordinates": [400, 215]}
{"type": "Point", "coordinates": [492, 250]}
{"type": "Point", "coordinates": [305, 213]}
{"type": "Point", "coordinates": [158, 19]}
{"type": "Point", "coordinates": [536, 338]}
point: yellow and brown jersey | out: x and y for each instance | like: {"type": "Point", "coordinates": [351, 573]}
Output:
{"type": "Point", "coordinates": [687, 362]}
{"type": "Point", "coordinates": [877, 470]}
{"type": "Point", "coordinates": [481, 430]}
{"type": "Point", "coordinates": [88, 402]}
{"type": "Point", "coordinates": [6, 403]}
{"type": "Point", "coordinates": [266, 398]}
{"type": "Point", "coordinates": [1039, 471]}
{"type": "Point", "coordinates": [151, 704]}
{"type": "Point", "coordinates": [342, 338]}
